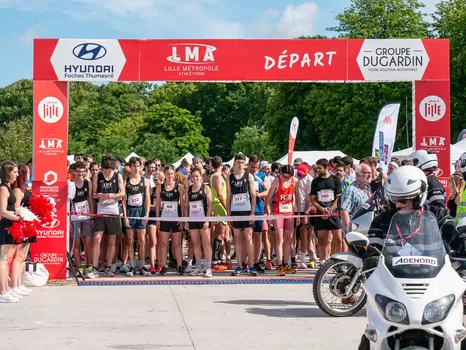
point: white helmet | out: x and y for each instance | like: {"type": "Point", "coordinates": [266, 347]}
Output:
{"type": "Point", "coordinates": [425, 160]}
{"type": "Point", "coordinates": [462, 162]}
{"type": "Point", "coordinates": [407, 182]}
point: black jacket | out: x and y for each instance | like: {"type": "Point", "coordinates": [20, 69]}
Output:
{"type": "Point", "coordinates": [450, 235]}
{"type": "Point", "coordinates": [435, 192]}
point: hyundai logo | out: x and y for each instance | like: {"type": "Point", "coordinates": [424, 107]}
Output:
{"type": "Point", "coordinates": [89, 51]}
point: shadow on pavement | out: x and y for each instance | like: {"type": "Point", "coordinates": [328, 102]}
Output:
{"type": "Point", "coordinates": [295, 312]}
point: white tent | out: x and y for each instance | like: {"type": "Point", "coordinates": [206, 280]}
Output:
{"type": "Point", "coordinates": [70, 158]}
{"type": "Point", "coordinates": [311, 157]}
{"type": "Point", "coordinates": [189, 157]}
{"type": "Point", "coordinates": [132, 154]}
{"type": "Point", "coordinates": [232, 160]}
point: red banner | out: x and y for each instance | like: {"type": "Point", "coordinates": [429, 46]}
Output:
{"type": "Point", "coordinates": [50, 149]}
{"type": "Point", "coordinates": [191, 60]}
{"type": "Point", "coordinates": [241, 60]}
{"type": "Point", "coordinates": [432, 121]}
{"type": "Point", "coordinates": [294, 60]}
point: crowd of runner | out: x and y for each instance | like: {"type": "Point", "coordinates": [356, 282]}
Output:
{"type": "Point", "coordinates": [128, 197]}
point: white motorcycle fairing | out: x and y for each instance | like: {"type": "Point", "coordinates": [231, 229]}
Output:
{"type": "Point", "coordinates": [415, 294]}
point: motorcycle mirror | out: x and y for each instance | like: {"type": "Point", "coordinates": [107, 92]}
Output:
{"type": "Point", "coordinates": [357, 239]}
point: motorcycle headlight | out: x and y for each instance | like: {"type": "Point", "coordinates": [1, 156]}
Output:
{"type": "Point", "coordinates": [392, 310]}
{"type": "Point", "coordinates": [437, 310]}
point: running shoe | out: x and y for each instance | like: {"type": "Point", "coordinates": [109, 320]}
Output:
{"type": "Point", "coordinates": [188, 269]}
{"type": "Point", "coordinates": [252, 271]}
{"type": "Point", "coordinates": [290, 269]}
{"type": "Point", "coordinates": [180, 270]}
{"type": "Point", "coordinates": [23, 287]}
{"type": "Point", "coordinates": [159, 268]}
{"type": "Point", "coordinates": [208, 273]}
{"type": "Point", "coordinates": [8, 298]}
{"type": "Point", "coordinates": [153, 270]}
{"type": "Point", "coordinates": [268, 265]}
{"type": "Point", "coordinates": [163, 271]}
{"type": "Point", "coordinates": [144, 271]}
{"type": "Point", "coordinates": [311, 264]}
{"type": "Point", "coordinates": [109, 272]}
{"type": "Point", "coordinates": [302, 266]}
{"type": "Point", "coordinates": [196, 272]}
{"type": "Point", "coordinates": [130, 272]}
{"type": "Point", "coordinates": [93, 274]}
{"type": "Point", "coordinates": [281, 271]}
{"type": "Point", "coordinates": [124, 268]}
{"type": "Point", "coordinates": [259, 268]}
{"type": "Point", "coordinates": [237, 272]}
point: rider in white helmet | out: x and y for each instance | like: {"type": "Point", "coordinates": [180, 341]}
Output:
{"type": "Point", "coordinates": [406, 189]}
{"type": "Point", "coordinates": [427, 161]}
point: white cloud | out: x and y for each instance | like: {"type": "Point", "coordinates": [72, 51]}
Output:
{"type": "Point", "coordinates": [33, 32]}
{"type": "Point", "coordinates": [294, 21]}
{"type": "Point", "coordinates": [272, 13]}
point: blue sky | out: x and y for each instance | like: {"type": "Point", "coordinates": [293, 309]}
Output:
{"type": "Point", "coordinates": [23, 20]}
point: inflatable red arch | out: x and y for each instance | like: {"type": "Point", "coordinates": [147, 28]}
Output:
{"type": "Point", "coordinates": [424, 62]}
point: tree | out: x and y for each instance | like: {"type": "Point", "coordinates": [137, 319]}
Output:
{"type": "Point", "coordinates": [16, 140]}
{"type": "Point", "coordinates": [382, 19]}
{"type": "Point", "coordinates": [16, 101]}
{"type": "Point", "coordinates": [178, 126]}
{"type": "Point", "coordinates": [450, 22]}
{"type": "Point", "coordinates": [156, 146]}
{"type": "Point", "coordinates": [254, 140]}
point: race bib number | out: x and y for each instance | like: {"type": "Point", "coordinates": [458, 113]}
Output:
{"type": "Point", "coordinates": [170, 207]}
{"type": "Point", "coordinates": [326, 196]}
{"type": "Point", "coordinates": [196, 207]}
{"type": "Point", "coordinates": [239, 198]}
{"type": "Point", "coordinates": [82, 207]}
{"type": "Point", "coordinates": [135, 200]}
{"type": "Point", "coordinates": [108, 201]}
{"type": "Point", "coordinates": [285, 208]}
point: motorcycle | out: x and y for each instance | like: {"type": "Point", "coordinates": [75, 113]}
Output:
{"type": "Point", "coordinates": [337, 284]}
{"type": "Point", "coordinates": [414, 294]}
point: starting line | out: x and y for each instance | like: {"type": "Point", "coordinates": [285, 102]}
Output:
{"type": "Point", "coordinates": [205, 281]}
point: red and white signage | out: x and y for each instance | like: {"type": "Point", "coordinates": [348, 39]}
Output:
{"type": "Point", "coordinates": [50, 171]}
{"type": "Point", "coordinates": [188, 60]}
{"type": "Point", "coordinates": [57, 61]}
{"type": "Point", "coordinates": [432, 120]}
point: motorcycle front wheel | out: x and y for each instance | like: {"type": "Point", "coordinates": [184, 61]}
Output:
{"type": "Point", "coordinates": [329, 289]}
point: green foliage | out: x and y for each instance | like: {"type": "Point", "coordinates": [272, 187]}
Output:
{"type": "Point", "coordinates": [156, 146]}
{"type": "Point", "coordinates": [254, 140]}
{"type": "Point", "coordinates": [179, 126]}
{"type": "Point", "coordinates": [16, 140]}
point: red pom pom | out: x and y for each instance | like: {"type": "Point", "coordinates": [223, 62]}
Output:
{"type": "Point", "coordinates": [30, 228]}
{"type": "Point", "coordinates": [16, 230]}
{"type": "Point", "coordinates": [41, 206]}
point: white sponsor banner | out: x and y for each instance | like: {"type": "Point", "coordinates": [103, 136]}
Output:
{"type": "Point", "coordinates": [88, 60]}
{"type": "Point", "coordinates": [414, 260]}
{"type": "Point", "coordinates": [393, 59]}
{"type": "Point", "coordinates": [385, 134]}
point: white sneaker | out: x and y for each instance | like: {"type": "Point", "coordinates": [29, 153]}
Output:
{"type": "Point", "coordinates": [208, 272]}
{"type": "Point", "coordinates": [196, 272]}
{"type": "Point", "coordinates": [93, 274]}
{"type": "Point", "coordinates": [15, 295]}
{"type": "Point", "coordinates": [21, 292]}
{"type": "Point", "coordinates": [23, 287]}
{"type": "Point", "coordinates": [188, 269]}
{"type": "Point", "coordinates": [8, 298]}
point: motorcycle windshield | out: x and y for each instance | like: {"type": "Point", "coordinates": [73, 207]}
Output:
{"type": "Point", "coordinates": [414, 247]}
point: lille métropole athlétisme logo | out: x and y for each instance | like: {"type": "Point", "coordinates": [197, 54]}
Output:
{"type": "Point", "coordinates": [432, 108]}
{"type": "Point", "coordinates": [89, 51]}
{"type": "Point", "coordinates": [50, 109]}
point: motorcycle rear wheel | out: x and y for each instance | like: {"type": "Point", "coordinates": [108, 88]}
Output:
{"type": "Point", "coordinates": [337, 309]}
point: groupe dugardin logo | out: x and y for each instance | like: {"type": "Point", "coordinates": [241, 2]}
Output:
{"type": "Point", "coordinates": [50, 109]}
{"type": "Point", "coordinates": [191, 59]}
{"type": "Point", "coordinates": [393, 59]}
{"type": "Point", "coordinates": [432, 108]}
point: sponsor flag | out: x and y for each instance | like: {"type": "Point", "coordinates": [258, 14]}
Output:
{"type": "Point", "coordinates": [385, 133]}
{"type": "Point", "coordinates": [292, 139]}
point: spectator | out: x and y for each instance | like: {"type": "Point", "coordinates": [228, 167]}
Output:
{"type": "Point", "coordinates": [456, 185]}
